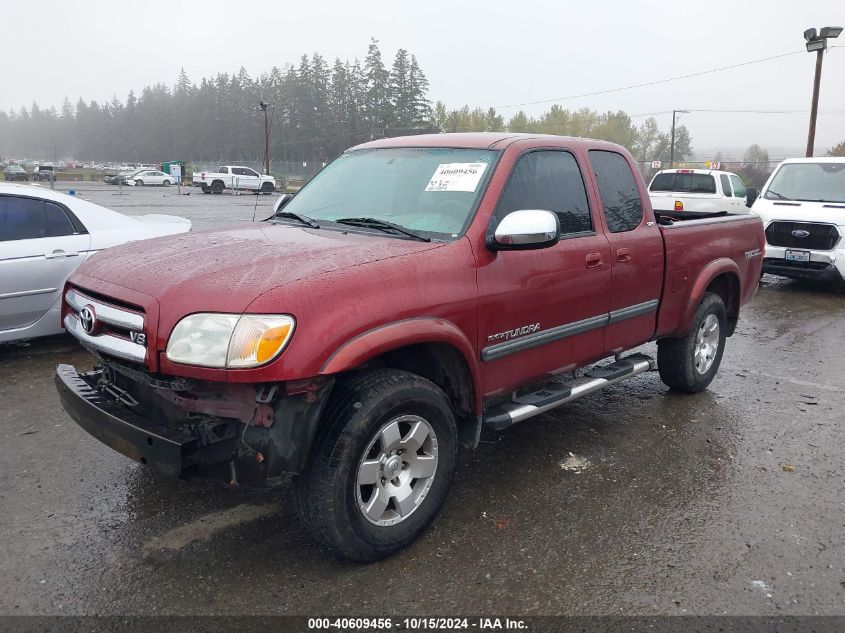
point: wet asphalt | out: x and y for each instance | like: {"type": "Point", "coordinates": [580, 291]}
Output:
{"type": "Point", "coordinates": [634, 500]}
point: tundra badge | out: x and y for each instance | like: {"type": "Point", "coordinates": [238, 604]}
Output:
{"type": "Point", "coordinates": [509, 334]}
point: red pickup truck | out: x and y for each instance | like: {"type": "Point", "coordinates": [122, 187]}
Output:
{"type": "Point", "coordinates": [414, 292]}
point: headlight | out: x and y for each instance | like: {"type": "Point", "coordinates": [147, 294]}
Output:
{"type": "Point", "coordinates": [229, 340]}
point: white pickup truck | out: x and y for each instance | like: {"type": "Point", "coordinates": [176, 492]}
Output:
{"type": "Point", "coordinates": [803, 209]}
{"type": "Point", "coordinates": [699, 191]}
{"type": "Point", "coordinates": [234, 177]}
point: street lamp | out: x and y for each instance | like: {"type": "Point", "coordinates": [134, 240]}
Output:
{"type": "Point", "coordinates": [263, 107]}
{"type": "Point", "coordinates": [817, 42]}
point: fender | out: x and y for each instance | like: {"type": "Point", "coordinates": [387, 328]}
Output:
{"type": "Point", "coordinates": [390, 336]}
{"type": "Point", "coordinates": [705, 277]}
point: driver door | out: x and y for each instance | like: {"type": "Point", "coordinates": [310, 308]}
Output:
{"type": "Point", "coordinates": [551, 303]}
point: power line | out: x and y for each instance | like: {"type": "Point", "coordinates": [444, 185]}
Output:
{"type": "Point", "coordinates": [650, 83]}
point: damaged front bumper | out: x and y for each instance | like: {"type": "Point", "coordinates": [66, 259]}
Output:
{"type": "Point", "coordinates": [205, 446]}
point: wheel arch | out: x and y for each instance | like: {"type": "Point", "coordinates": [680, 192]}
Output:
{"type": "Point", "coordinates": [429, 347]}
{"type": "Point", "coordinates": [722, 277]}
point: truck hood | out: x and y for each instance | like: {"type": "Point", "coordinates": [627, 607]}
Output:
{"type": "Point", "coordinates": [800, 211]}
{"type": "Point", "coordinates": [225, 270]}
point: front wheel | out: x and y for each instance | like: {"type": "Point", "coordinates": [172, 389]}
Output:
{"type": "Point", "coordinates": [267, 188]}
{"type": "Point", "coordinates": [690, 363]}
{"type": "Point", "coordinates": [139, 183]}
{"type": "Point", "coordinates": [382, 465]}
{"type": "Point", "coordinates": [166, 183]}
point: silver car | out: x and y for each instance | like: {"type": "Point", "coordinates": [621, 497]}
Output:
{"type": "Point", "coordinates": [44, 236]}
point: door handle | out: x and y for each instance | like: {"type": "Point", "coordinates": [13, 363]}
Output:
{"type": "Point", "coordinates": [593, 260]}
{"type": "Point", "coordinates": [623, 255]}
{"type": "Point", "coordinates": [58, 253]}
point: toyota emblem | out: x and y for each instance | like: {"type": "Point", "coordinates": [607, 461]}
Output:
{"type": "Point", "coordinates": [88, 319]}
{"type": "Point", "coordinates": [800, 233]}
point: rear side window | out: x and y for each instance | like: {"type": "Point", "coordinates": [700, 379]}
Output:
{"type": "Point", "coordinates": [726, 184]}
{"type": "Point", "coordinates": [549, 180]}
{"type": "Point", "coordinates": [28, 218]}
{"type": "Point", "coordinates": [620, 197]}
{"type": "Point", "coordinates": [56, 222]}
{"type": "Point", "coordinates": [739, 187]}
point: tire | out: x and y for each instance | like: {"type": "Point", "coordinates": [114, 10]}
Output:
{"type": "Point", "coordinates": [217, 187]}
{"type": "Point", "coordinates": [267, 188]}
{"type": "Point", "coordinates": [369, 413]}
{"type": "Point", "coordinates": [166, 183]}
{"type": "Point", "coordinates": [205, 189]}
{"type": "Point", "coordinates": [139, 183]}
{"type": "Point", "coordinates": [690, 363]}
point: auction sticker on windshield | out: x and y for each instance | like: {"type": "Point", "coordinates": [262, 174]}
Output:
{"type": "Point", "coordinates": [456, 177]}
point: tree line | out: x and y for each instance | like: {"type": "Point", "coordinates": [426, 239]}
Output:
{"type": "Point", "coordinates": [316, 110]}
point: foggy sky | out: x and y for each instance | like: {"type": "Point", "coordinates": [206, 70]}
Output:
{"type": "Point", "coordinates": [491, 53]}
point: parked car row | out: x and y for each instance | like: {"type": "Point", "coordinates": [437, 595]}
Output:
{"type": "Point", "coordinates": [140, 178]}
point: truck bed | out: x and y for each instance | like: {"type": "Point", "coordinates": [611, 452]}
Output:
{"type": "Point", "coordinates": [689, 245]}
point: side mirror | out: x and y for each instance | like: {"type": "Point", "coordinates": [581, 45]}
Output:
{"type": "Point", "coordinates": [525, 230]}
{"type": "Point", "coordinates": [751, 194]}
{"type": "Point", "coordinates": [282, 201]}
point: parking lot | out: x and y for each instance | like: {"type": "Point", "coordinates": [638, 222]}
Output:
{"type": "Point", "coordinates": [635, 500]}
{"type": "Point", "coordinates": [204, 210]}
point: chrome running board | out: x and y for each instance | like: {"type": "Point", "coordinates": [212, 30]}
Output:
{"type": "Point", "coordinates": [562, 389]}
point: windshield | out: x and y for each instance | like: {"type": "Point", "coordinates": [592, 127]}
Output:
{"type": "Point", "coordinates": [812, 182]}
{"type": "Point", "coordinates": [429, 190]}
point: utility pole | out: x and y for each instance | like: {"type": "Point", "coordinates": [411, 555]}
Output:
{"type": "Point", "coordinates": [817, 42]}
{"type": "Point", "coordinates": [814, 109]}
{"type": "Point", "coordinates": [263, 107]}
{"type": "Point", "coordinates": [672, 144]}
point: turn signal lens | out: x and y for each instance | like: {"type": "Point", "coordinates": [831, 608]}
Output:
{"type": "Point", "coordinates": [258, 339]}
{"type": "Point", "coordinates": [679, 206]}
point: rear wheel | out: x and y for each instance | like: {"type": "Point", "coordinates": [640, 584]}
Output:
{"type": "Point", "coordinates": [217, 187]}
{"type": "Point", "coordinates": [382, 465]}
{"type": "Point", "coordinates": [690, 363]}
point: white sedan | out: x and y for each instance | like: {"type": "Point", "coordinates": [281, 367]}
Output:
{"type": "Point", "coordinates": [149, 177]}
{"type": "Point", "coordinates": [44, 236]}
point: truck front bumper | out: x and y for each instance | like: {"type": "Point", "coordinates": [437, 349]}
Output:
{"type": "Point", "coordinates": [824, 266]}
{"type": "Point", "coordinates": [172, 451]}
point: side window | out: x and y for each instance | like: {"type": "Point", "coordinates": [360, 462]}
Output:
{"type": "Point", "coordinates": [739, 187]}
{"type": "Point", "coordinates": [726, 185]}
{"type": "Point", "coordinates": [239, 171]}
{"type": "Point", "coordinates": [249, 172]}
{"type": "Point", "coordinates": [223, 170]}
{"type": "Point", "coordinates": [56, 221]}
{"type": "Point", "coordinates": [620, 197]}
{"type": "Point", "coordinates": [21, 218]}
{"type": "Point", "coordinates": [549, 180]}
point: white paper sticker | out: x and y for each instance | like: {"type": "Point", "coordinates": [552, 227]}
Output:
{"type": "Point", "coordinates": [456, 177]}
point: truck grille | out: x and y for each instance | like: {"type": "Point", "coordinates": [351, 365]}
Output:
{"type": "Point", "coordinates": [822, 237]}
{"type": "Point", "coordinates": [106, 328]}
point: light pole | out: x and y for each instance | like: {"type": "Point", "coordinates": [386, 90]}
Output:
{"type": "Point", "coordinates": [672, 144]}
{"type": "Point", "coordinates": [817, 42]}
{"type": "Point", "coordinates": [263, 107]}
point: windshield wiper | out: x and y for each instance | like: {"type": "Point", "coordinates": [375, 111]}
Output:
{"type": "Point", "coordinates": [302, 219]}
{"type": "Point", "coordinates": [375, 223]}
{"type": "Point", "coordinates": [777, 195]}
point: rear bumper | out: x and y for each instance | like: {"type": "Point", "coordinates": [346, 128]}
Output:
{"type": "Point", "coordinates": [171, 451]}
